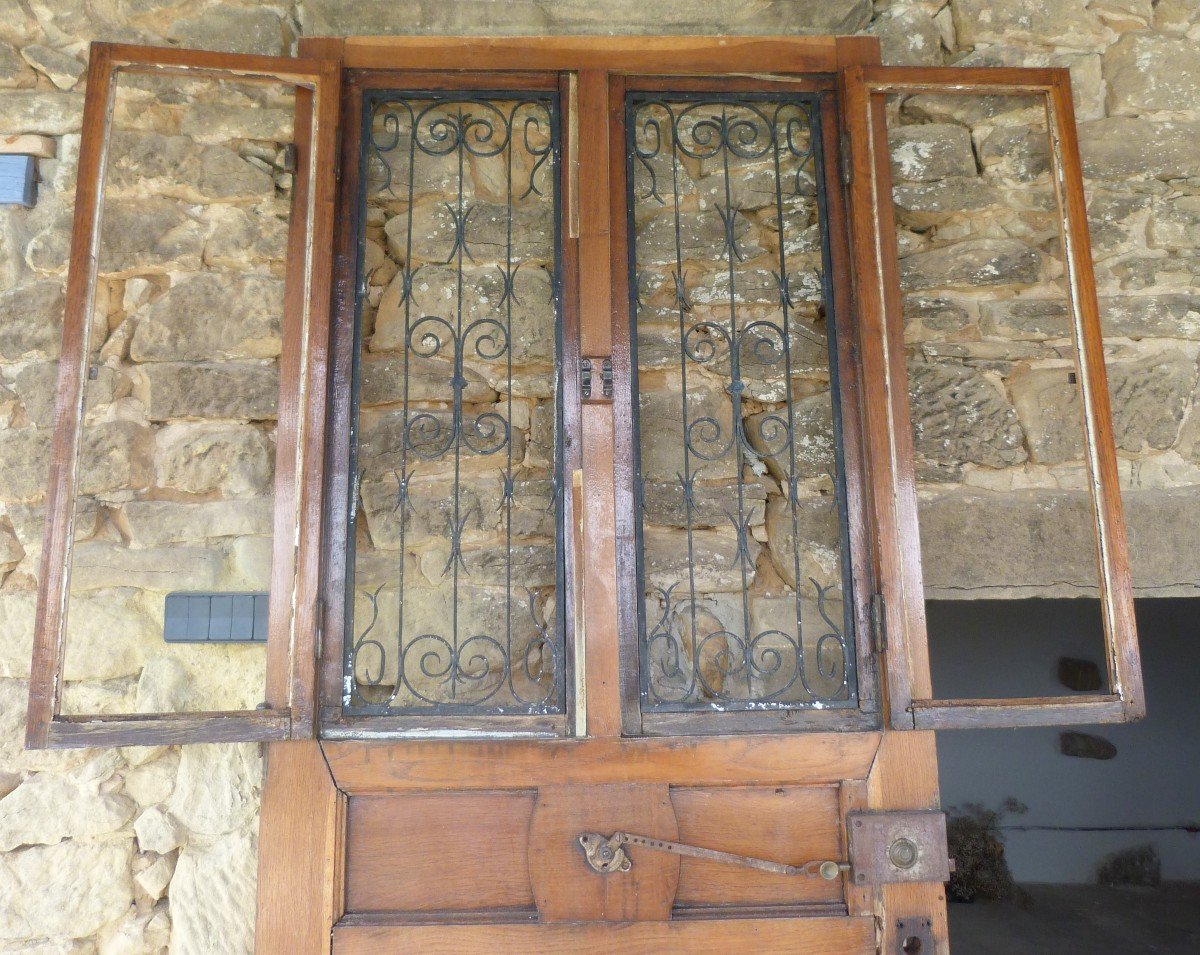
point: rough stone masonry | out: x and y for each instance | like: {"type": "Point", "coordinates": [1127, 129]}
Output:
{"type": "Point", "coordinates": [150, 849]}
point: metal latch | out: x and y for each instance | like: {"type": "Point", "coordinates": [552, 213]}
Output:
{"type": "Point", "coordinates": [586, 368]}
{"type": "Point", "coordinates": [888, 847]}
{"type": "Point", "coordinates": [607, 854]}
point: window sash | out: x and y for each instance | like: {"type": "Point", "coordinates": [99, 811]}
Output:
{"type": "Point", "coordinates": [290, 710]}
{"type": "Point", "coordinates": [911, 702]}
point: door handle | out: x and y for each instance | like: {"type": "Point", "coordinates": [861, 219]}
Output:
{"type": "Point", "coordinates": [607, 854]}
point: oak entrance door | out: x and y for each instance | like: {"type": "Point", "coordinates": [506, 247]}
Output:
{"type": "Point", "coordinates": [601, 503]}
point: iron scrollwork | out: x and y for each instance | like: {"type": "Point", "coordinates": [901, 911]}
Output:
{"type": "Point", "coordinates": [739, 181]}
{"type": "Point", "coordinates": [456, 626]}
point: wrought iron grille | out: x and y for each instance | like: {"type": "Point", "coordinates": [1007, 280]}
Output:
{"type": "Point", "coordinates": [743, 554]}
{"type": "Point", "coordinates": [454, 575]}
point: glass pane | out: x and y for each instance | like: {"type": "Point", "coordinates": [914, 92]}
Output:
{"type": "Point", "coordinates": [455, 574]}
{"type": "Point", "coordinates": [1003, 484]}
{"type": "Point", "coordinates": [742, 557]}
{"type": "Point", "coordinates": [177, 444]}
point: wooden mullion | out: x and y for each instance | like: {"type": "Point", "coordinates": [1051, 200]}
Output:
{"type": "Point", "coordinates": [45, 684]}
{"type": "Point", "coordinates": [602, 657]}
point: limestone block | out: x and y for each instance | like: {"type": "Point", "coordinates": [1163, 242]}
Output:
{"type": "Point", "coordinates": [928, 152]}
{"type": "Point", "coordinates": [31, 321]}
{"type": "Point", "coordinates": [152, 523]}
{"type": "Point", "coordinates": [1019, 153]}
{"type": "Point", "coordinates": [251, 239]}
{"type": "Point", "coordinates": [115, 456]}
{"type": "Point", "coordinates": [164, 686]}
{"type": "Point", "coordinates": [1040, 543]}
{"type": "Point", "coordinates": [232, 29]}
{"type": "Point", "coordinates": [1117, 222]}
{"type": "Point", "coordinates": [157, 831]}
{"type": "Point", "coordinates": [99, 565]}
{"type": "Point", "coordinates": [246, 391]}
{"type": "Point", "coordinates": [137, 236]}
{"type": "Point", "coordinates": [712, 504]}
{"type": "Point", "coordinates": [222, 122]}
{"type": "Point", "coordinates": [524, 17]}
{"type": "Point", "coordinates": [961, 415]}
{"type": "Point", "coordinates": [41, 903]}
{"type": "Point", "coordinates": [972, 264]}
{"type": "Point", "coordinates": [35, 385]}
{"type": "Point", "coordinates": [430, 510]}
{"type": "Point", "coordinates": [714, 565]}
{"type": "Point", "coordinates": [933, 318]}
{"type": "Point", "coordinates": [661, 431]}
{"type": "Point", "coordinates": [382, 380]}
{"type": "Point", "coordinates": [46, 809]}
{"type": "Point", "coordinates": [16, 633]}
{"type": "Point", "coordinates": [812, 451]}
{"type": "Point", "coordinates": [14, 70]}
{"type": "Point", "coordinates": [213, 896]}
{"type": "Point", "coordinates": [1031, 22]}
{"type": "Point", "coordinates": [109, 634]}
{"type": "Point", "coordinates": [528, 565]}
{"type": "Point", "coordinates": [153, 781]}
{"type": "Point", "coordinates": [46, 112]}
{"type": "Point", "coordinates": [486, 232]}
{"type": "Point", "coordinates": [208, 317]}
{"type": "Point", "coordinates": [701, 236]}
{"type": "Point", "coordinates": [483, 441]}
{"type": "Point", "coordinates": [1147, 72]}
{"type": "Point", "coordinates": [154, 879]}
{"type": "Point", "coordinates": [11, 551]}
{"type": "Point", "coordinates": [531, 339]}
{"type": "Point", "coordinates": [1122, 147]}
{"type": "Point", "coordinates": [908, 37]}
{"type": "Point", "coordinates": [217, 788]}
{"type": "Point", "coordinates": [808, 541]}
{"type": "Point", "coordinates": [176, 166]}
{"type": "Point", "coordinates": [1149, 397]}
{"type": "Point", "coordinates": [1135, 316]}
{"type": "Point", "coordinates": [24, 463]}
{"type": "Point", "coordinates": [236, 460]}
{"type": "Point", "coordinates": [928, 203]}
{"type": "Point", "coordinates": [140, 931]}
{"type": "Point", "coordinates": [1176, 16]}
{"type": "Point", "coordinates": [63, 69]}
{"type": "Point", "coordinates": [1175, 223]}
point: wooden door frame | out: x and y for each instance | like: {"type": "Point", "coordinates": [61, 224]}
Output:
{"type": "Point", "coordinates": [302, 861]}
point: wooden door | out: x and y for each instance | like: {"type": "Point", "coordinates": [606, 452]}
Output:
{"type": "Point", "coordinates": [593, 327]}
{"type": "Point", "coordinates": [622, 537]}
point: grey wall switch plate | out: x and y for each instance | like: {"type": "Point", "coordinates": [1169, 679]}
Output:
{"type": "Point", "coordinates": [205, 617]}
{"type": "Point", "coordinates": [18, 180]}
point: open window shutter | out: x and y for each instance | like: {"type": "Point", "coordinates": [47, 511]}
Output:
{"type": "Point", "coordinates": [903, 565]}
{"type": "Point", "coordinates": [286, 707]}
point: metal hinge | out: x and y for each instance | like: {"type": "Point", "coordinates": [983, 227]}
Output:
{"type": "Point", "coordinates": [879, 623]}
{"type": "Point", "coordinates": [586, 369]}
{"type": "Point", "coordinates": [847, 169]}
{"type": "Point", "coordinates": [319, 627]}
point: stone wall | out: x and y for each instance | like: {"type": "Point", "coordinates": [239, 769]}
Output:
{"type": "Point", "coordinates": [135, 850]}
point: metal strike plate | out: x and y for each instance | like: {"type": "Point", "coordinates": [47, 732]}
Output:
{"type": "Point", "coordinates": [914, 936]}
{"type": "Point", "coordinates": [888, 847]}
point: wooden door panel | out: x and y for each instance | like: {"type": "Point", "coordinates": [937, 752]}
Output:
{"type": "Point", "coordinates": [812, 936]}
{"type": "Point", "coordinates": [788, 823]}
{"type": "Point", "coordinates": [439, 852]}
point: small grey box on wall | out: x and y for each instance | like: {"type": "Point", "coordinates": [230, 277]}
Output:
{"type": "Point", "coordinates": [215, 618]}
{"type": "Point", "coordinates": [18, 181]}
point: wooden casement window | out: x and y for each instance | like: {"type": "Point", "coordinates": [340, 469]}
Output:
{"type": "Point", "coordinates": [560, 536]}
